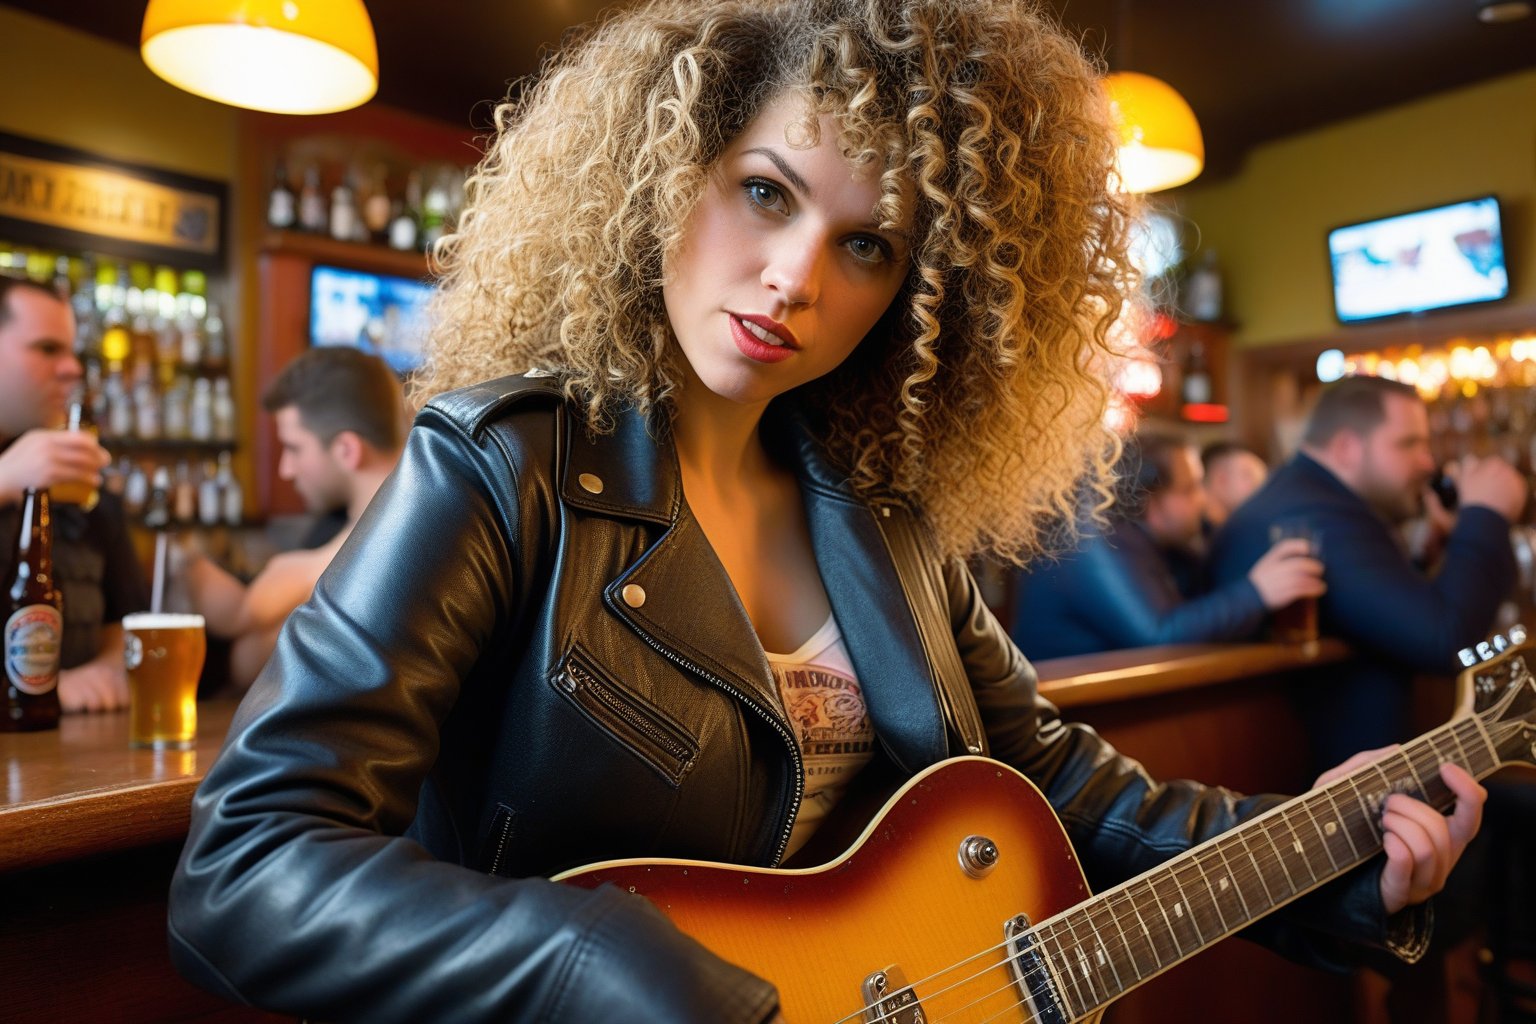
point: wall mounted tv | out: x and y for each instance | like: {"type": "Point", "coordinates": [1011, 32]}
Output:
{"type": "Point", "coordinates": [377, 313]}
{"type": "Point", "coordinates": [1450, 255]}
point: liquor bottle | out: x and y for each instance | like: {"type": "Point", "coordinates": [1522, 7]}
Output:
{"type": "Point", "coordinates": [312, 202]}
{"type": "Point", "coordinates": [1195, 388]}
{"type": "Point", "coordinates": [232, 497]}
{"type": "Point", "coordinates": [215, 343]}
{"type": "Point", "coordinates": [157, 509]}
{"type": "Point", "coordinates": [223, 411]}
{"type": "Point", "coordinates": [135, 490]}
{"type": "Point", "coordinates": [282, 204]}
{"type": "Point", "coordinates": [434, 211]}
{"type": "Point", "coordinates": [1202, 292]}
{"type": "Point", "coordinates": [34, 625]}
{"type": "Point", "coordinates": [344, 222]}
{"type": "Point", "coordinates": [209, 505]}
{"type": "Point", "coordinates": [200, 413]}
{"type": "Point", "coordinates": [376, 207]}
{"type": "Point", "coordinates": [184, 496]}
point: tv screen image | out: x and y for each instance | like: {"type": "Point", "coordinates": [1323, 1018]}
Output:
{"type": "Point", "coordinates": [1430, 259]}
{"type": "Point", "coordinates": [377, 313]}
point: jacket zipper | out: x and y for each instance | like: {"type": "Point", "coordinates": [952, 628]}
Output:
{"type": "Point", "coordinates": [621, 707]}
{"type": "Point", "coordinates": [778, 727]}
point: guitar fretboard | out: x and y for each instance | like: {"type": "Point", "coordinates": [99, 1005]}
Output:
{"type": "Point", "coordinates": [1100, 949]}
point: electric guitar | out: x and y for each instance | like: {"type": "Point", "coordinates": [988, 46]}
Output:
{"type": "Point", "coordinates": [963, 901]}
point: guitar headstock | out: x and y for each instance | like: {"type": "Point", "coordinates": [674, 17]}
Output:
{"type": "Point", "coordinates": [1499, 676]}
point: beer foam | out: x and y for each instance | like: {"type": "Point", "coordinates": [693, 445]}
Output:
{"type": "Point", "coordinates": [162, 620]}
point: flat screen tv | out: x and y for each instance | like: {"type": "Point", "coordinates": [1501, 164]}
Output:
{"type": "Point", "coordinates": [1450, 255]}
{"type": "Point", "coordinates": [377, 313]}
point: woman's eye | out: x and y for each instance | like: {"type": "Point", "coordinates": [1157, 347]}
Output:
{"type": "Point", "coordinates": [765, 195]}
{"type": "Point", "coordinates": [869, 250]}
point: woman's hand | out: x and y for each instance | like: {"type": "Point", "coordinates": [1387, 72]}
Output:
{"type": "Point", "coordinates": [1422, 845]}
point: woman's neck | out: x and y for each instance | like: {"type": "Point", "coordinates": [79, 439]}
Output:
{"type": "Point", "coordinates": [717, 440]}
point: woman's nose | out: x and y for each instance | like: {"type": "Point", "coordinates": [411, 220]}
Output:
{"type": "Point", "coordinates": [793, 269]}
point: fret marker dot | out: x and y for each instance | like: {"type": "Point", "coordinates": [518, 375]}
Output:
{"type": "Point", "coordinates": [1178, 910]}
{"type": "Point", "coordinates": [1330, 828]}
{"type": "Point", "coordinates": [1297, 845]}
{"type": "Point", "coordinates": [1224, 884]}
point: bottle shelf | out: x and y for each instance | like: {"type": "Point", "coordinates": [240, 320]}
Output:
{"type": "Point", "coordinates": [166, 446]}
{"type": "Point", "coordinates": [322, 249]}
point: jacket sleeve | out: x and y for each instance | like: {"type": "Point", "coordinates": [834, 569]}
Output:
{"type": "Point", "coordinates": [1136, 604]}
{"type": "Point", "coordinates": [1122, 822]}
{"type": "Point", "coordinates": [1379, 602]}
{"type": "Point", "coordinates": [297, 890]}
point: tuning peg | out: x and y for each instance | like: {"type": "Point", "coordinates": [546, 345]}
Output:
{"type": "Point", "coordinates": [1500, 644]}
{"type": "Point", "coordinates": [1467, 657]}
{"type": "Point", "coordinates": [1484, 650]}
{"type": "Point", "coordinates": [1517, 633]}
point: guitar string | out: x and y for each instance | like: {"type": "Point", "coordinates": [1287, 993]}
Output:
{"type": "Point", "coordinates": [1269, 857]}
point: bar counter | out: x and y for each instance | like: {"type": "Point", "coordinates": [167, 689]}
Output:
{"type": "Point", "coordinates": [90, 830]}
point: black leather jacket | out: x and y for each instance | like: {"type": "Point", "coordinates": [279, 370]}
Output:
{"type": "Point", "coordinates": [526, 657]}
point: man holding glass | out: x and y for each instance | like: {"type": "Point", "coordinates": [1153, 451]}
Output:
{"type": "Point", "coordinates": [94, 561]}
{"type": "Point", "coordinates": [1363, 470]}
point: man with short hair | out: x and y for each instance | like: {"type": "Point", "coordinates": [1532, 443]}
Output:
{"type": "Point", "coordinates": [94, 563]}
{"type": "Point", "coordinates": [1119, 588]}
{"type": "Point", "coordinates": [340, 422]}
{"type": "Point", "coordinates": [1362, 471]}
{"type": "Point", "coordinates": [1233, 474]}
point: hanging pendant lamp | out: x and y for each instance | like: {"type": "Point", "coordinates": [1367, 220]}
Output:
{"type": "Point", "coordinates": [1160, 142]}
{"type": "Point", "coordinates": [281, 56]}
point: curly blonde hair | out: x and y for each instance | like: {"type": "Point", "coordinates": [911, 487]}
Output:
{"type": "Point", "coordinates": [980, 400]}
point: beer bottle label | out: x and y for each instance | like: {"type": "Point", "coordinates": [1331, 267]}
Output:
{"type": "Point", "coordinates": [32, 644]}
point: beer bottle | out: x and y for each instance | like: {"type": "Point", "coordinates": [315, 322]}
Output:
{"type": "Point", "coordinates": [34, 626]}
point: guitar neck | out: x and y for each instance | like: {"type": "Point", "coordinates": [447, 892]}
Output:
{"type": "Point", "coordinates": [1121, 938]}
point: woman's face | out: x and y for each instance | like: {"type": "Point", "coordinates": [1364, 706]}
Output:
{"type": "Point", "coordinates": [784, 268]}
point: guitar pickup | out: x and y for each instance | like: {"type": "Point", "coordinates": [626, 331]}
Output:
{"type": "Point", "coordinates": [888, 999]}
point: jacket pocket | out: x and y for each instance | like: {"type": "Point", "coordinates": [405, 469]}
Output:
{"type": "Point", "coordinates": [643, 729]}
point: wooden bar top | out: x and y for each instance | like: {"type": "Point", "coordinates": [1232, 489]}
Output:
{"type": "Point", "coordinates": [1149, 671]}
{"type": "Point", "coordinates": [81, 790]}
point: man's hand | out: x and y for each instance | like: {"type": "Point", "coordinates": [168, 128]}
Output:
{"type": "Point", "coordinates": [1422, 845]}
{"type": "Point", "coordinates": [45, 458]}
{"type": "Point", "coordinates": [95, 686]}
{"type": "Point", "coordinates": [1287, 572]}
{"type": "Point", "coordinates": [1492, 483]}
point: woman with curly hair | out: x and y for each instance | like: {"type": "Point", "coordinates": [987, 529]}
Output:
{"type": "Point", "coordinates": [761, 316]}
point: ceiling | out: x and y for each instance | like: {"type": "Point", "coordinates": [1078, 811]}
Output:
{"type": "Point", "coordinates": [1252, 70]}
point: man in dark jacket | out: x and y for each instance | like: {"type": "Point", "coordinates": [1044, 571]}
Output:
{"type": "Point", "coordinates": [1362, 471]}
{"type": "Point", "coordinates": [1134, 582]}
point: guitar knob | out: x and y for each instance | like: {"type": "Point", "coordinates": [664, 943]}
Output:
{"type": "Point", "coordinates": [1500, 644]}
{"type": "Point", "coordinates": [1484, 651]}
{"type": "Point", "coordinates": [978, 856]}
{"type": "Point", "coordinates": [1517, 633]}
{"type": "Point", "coordinates": [1467, 657]}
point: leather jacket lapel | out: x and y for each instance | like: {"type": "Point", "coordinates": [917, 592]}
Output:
{"type": "Point", "coordinates": [690, 614]}
{"type": "Point", "coordinates": [872, 608]}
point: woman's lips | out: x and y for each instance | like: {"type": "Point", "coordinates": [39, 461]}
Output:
{"type": "Point", "coordinates": [753, 347]}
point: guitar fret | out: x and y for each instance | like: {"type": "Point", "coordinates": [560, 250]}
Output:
{"type": "Point", "coordinates": [1061, 967]}
{"type": "Point", "coordinates": [1178, 950]}
{"type": "Point", "coordinates": [1080, 963]}
{"type": "Point", "coordinates": [1325, 831]}
{"type": "Point", "coordinates": [1492, 748]}
{"type": "Point", "coordinates": [1183, 913]}
{"type": "Point", "coordinates": [1258, 873]}
{"type": "Point", "coordinates": [1267, 829]}
{"type": "Point", "coordinates": [1147, 934]}
{"type": "Point", "coordinates": [1204, 915]}
{"type": "Point", "coordinates": [1114, 915]}
{"type": "Point", "coordinates": [1101, 951]}
{"type": "Point", "coordinates": [1233, 878]}
{"type": "Point", "coordinates": [1215, 897]}
{"type": "Point", "coordinates": [1367, 816]}
{"type": "Point", "coordinates": [1405, 755]}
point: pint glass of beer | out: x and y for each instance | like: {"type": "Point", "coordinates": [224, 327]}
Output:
{"type": "Point", "coordinates": [1296, 623]}
{"type": "Point", "coordinates": [164, 654]}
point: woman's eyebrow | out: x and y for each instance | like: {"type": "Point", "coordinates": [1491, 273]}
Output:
{"type": "Point", "coordinates": [784, 169]}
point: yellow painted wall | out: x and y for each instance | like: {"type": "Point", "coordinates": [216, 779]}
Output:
{"type": "Point", "coordinates": [1269, 223]}
{"type": "Point", "coordinates": [73, 89]}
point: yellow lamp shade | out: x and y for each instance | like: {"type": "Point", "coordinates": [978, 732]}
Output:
{"type": "Point", "coordinates": [282, 56]}
{"type": "Point", "coordinates": [1160, 143]}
